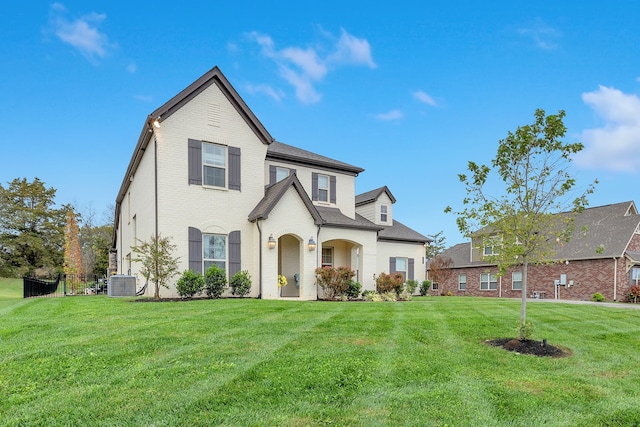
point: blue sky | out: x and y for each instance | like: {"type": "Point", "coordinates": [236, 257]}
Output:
{"type": "Point", "coordinates": [410, 93]}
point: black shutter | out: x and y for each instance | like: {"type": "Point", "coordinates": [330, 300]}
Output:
{"type": "Point", "coordinates": [234, 253]}
{"type": "Point", "coordinates": [195, 250]}
{"type": "Point", "coordinates": [272, 174]}
{"type": "Point", "coordinates": [332, 189]}
{"type": "Point", "coordinates": [314, 186]}
{"type": "Point", "coordinates": [392, 265]}
{"type": "Point", "coordinates": [410, 272]}
{"type": "Point", "coordinates": [234, 168]}
{"type": "Point", "coordinates": [195, 162]}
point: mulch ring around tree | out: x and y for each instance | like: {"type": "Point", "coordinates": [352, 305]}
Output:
{"type": "Point", "coordinates": [532, 347]}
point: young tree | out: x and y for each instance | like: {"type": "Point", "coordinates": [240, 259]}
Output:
{"type": "Point", "coordinates": [72, 253]}
{"type": "Point", "coordinates": [437, 245]}
{"type": "Point", "coordinates": [31, 229]}
{"type": "Point", "coordinates": [440, 269]}
{"type": "Point", "coordinates": [534, 212]}
{"type": "Point", "coordinates": [158, 263]}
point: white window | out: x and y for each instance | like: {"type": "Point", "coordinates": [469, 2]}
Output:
{"type": "Point", "coordinates": [214, 163]}
{"type": "Point", "coordinates": [488, 281]}
{"type": "Point", "coordinates": [401, 267]}
{"type": "Point", "coordinates": [635, 276]}
{"type": "Point", "coordinates": [323, 188]}
{"type": "Point", "coordinates": [281, 173]}
{"type": "Point", "coordinates": [516, 280]}
{"type": "Point", "coordinates": [327, 257]}
{"type": "Point", "coordinates": [434, 286]}
{"type": "Point", "coordinates": [489, 250]}
{"type": "Point", "coordinates": [383, 213]}
{"type": "Point", "coordinates": [214, 250]}
{"type": "Point", "coordinates": [462, 282]}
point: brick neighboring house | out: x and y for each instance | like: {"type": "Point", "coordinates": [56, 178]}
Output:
{"type": "Point", "coordinates": [208, 174]}
{"type": "Point", "coordinates": [603, 258]}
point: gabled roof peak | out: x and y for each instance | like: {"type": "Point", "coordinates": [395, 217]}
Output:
{"type": "Point", "coordinates": [372, 195]}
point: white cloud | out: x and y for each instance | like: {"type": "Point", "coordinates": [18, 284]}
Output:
{"type": "Point", "coordinates": [616, 145]}
{"type": "Point", "coordinates": [424, 97]}
{"type": "Point", "coordinates": [304, 68]}
{"type": "Point", "coordinates": [391, 115]}
{"type": "Point", "coordinates": [543, 36]}
{"type": "Point", "coordinates": [275, 94]}
{"type": "Point", "coordinates": [82, 33]}
{"type": "Point", "coordinates": [352, 50]}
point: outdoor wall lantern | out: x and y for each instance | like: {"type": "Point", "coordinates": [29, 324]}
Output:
{"type": "Point", "coordinates": [271, 243]}
{"type": "Point", "coordinates": [312, 244]}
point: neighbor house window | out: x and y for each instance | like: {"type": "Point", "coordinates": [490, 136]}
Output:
{"type": "Point", "coordinates": [323, 188]}
{"type": "Point", "coordinates": [489, 250]}
{"type": "Point", "coordinates": [401, 267]}
{"type": "Point", "coordinates": [281, 173]}
{"type": "Point", "coordinates": [383, 213]}
{"type": "Point", "coordinates": [635, 276]}
{"type": "Point", "coordinates": [327, 257]}
{"type": "Point", "coordinates": [214, 163]}
{"type": "Point", "coordinates": [434, 286]}
{"type": "Point", "coordinates": [516, 280]}
{"type": "Point", "coordinates": [214, 251]}
{"type": "Point", "coordinates": [488, 281]}
{"type": "Point", "coordinates": [462, 282]}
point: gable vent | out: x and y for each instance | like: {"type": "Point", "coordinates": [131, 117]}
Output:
{"type": "Point", "coordinates": [213, 114]}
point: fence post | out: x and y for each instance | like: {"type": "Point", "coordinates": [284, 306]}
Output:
{"type": "Point", "coordinates": [64, 282]}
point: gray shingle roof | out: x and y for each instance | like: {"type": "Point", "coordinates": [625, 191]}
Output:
{"type": "Point", "coordinates": [333, 217]}
{"type": "Point", "coordinates": [401, 233]}
{"type": "Point", "coordinates": [372, 196]}
{"type": "Point", "coordinates": [290, 154]}
{"type": "Point", "coordinates": [599, 232]}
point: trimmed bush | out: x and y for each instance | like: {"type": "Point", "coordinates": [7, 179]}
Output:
{"type": "Point", "coordinates": [240, 283]}
{"type": "Point", "coordinates": [410, 286]}
{"type": "Point", "coordinates": [353, 290]}
{"type": "Point", "coordinates": [215, 280]}
{"type": "Point", "coordinates": [334, 281]}
{"type": "Point", "coordinates": [190, 283]}
{"type": "Point", "coordinates": [424, 287]}
{"type": "Point", "coordinates": [597, 297]}
{"type": "Point", "coordinates": [389, 283]}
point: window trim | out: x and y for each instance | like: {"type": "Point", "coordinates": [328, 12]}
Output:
{"type": "Point", "coordinates": [321, 189]}
{"type": "Point", "coordinates": [490, 278]}
{"type": "Point", "coordinates": [205, 165]}
{"type": "Point", "coordinates": [329, 249]}
{"type": "Point", "coordinates": [213, 261]}
{"type": "Point", "coordinates": [514, 281]}
{"type": "Point", "coordinates": [384, 213]}
{"type": "Point", "coordinates": [460, 282]}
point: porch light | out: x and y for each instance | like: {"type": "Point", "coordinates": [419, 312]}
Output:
{"type": "Point", "coordinates": [312, 244]}
{"type": "Point", "coordinates": [271, 243]}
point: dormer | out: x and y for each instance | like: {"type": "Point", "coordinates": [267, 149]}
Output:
{"type": "Point", "coordinates": [376, 206]}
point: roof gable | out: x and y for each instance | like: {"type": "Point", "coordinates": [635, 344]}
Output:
{"type": "Point", "coordinates": [275, 192]}
{"type": "Point", "coordinates": [373, 195]}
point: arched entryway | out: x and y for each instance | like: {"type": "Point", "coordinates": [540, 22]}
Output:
{"type": "Point", "coordinates": [289, 264]}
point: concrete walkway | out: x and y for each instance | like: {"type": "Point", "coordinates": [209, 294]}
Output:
{"type": "Point", "coordinates": [600, 304]}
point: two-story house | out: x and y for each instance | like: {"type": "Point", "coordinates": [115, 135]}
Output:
{"type": "Point", "coordinates": [603, 256]}
{"type": "Point", "coordinates": [206, 173]}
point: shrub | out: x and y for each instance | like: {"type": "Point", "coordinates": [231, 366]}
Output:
{"type": "Point", "coordinates": [634, 293]}
{"type": "Point", "coordinates": [372, 296]}
{"type": "Point", "coordinates": [190, 284]}
{"type": "Point", "coordinates": [597, 297]}
{"type": "Point", "coordinates": [424, 287]}
{"type": "Point", "coordinates": [353, 290]}
{"type": "Point", "coordinates": [389, 296]}
{"type": "Point", "coordinates": [215, 280]}
{"type": "Point", "coordinates": [334, 281]}
{"type": "Point", "coordinates": [524, 330]}
{"type": "Point", "coordinates": [411, 286]}
{"type": "Point", "coordinates": [240, 283]}
{"type": "Point", "coordinates": [389, 283]}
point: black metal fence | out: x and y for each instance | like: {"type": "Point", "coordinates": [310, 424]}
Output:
{"type": "Point", "coordinates": [64, 285]}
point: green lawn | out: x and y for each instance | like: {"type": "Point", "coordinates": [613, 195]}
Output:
{"type": "Point", "coordinates": [113, 362]}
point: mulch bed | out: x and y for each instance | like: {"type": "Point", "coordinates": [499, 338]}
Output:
{"type": "Point", "coordinates": [532, 347]}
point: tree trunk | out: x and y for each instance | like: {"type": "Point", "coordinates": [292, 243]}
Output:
{"type": "Point", "coordinates": [523, 305]}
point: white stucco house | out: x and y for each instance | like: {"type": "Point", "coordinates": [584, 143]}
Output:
{"type": "Point", "coordinates": [207, 173]}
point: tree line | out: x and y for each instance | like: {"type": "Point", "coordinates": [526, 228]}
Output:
{"type": "Point", "coordinates": [39, 238]}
